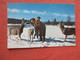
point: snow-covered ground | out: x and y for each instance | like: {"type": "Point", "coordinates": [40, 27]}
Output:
{"type": "Point", "coordinates": [54, 38]}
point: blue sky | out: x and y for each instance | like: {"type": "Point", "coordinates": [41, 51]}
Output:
{"type": "Point", "coordinates": [44, 10]}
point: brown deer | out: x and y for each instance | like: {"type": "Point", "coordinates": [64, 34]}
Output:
{"type": "Point", "coordinates": [67, 31]}
{"type": "Point", "coordinates": [17, 30]}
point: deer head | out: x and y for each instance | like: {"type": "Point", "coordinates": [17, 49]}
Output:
{"type": "Point", "coordinates": [61, 25]}
{"type": "Point", "coordinates": [23, 21]}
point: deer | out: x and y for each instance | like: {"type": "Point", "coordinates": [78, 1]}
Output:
{"type": "Point", "coordinates": [30, 33]}
{"type": "Point", "coordinates": [66, 31]}
{"type": "Point", "coordinates": [17, 30]}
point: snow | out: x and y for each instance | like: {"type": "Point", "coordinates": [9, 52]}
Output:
{"type": "Point", "coordinates": [13, 24]}
{"type": "Point", "coordinates": [54, 38]}
{"type": "Point", "coordinates": [69, 26]}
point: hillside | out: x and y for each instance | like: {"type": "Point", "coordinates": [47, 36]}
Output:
{"type": "Point", "coordinates": [15, 21]}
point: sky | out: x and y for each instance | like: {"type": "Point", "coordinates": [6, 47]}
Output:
{"type": "Point", "coordinates": [46, 11]}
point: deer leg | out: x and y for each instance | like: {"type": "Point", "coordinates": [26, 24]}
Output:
{"type": "Point", "coordinates": [43, 38]}
{"type": "Point", "coordinates": [40, 38]}
{"type": "Point", "coordinates": [65, 37]}
{"type": "Point", "coordinates": [20, 36]}
{"type": "Point", "coordinates": [37, 35]}
{"type": "Point", "coordinates": [73, 35]}
{"type": "Point", "coordinates": [43, 35]}
{"type": "Point", "coordinates": [30, 37]}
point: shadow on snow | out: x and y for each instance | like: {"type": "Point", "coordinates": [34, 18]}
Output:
{"type": "Point", "coordinates": [48, 40]}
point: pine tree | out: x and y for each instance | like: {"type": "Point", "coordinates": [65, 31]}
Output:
{"type": "Point", "coordinates": [54, 21]}
{"type": "Point", "coordinates": [48, 22]}
{"type": "Point", "coordinates": [69, 19]}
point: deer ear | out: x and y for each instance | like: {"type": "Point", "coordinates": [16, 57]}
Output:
{"type": "Point", "coordinates": [23, 20]}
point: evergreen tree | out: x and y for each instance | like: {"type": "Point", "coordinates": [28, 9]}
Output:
{"type": "Point", "coordinates": [48, 22]}
{"type": "Point", "coordinates": [69, 19]}
{"type": "Point", "coordinates": [54, 21]}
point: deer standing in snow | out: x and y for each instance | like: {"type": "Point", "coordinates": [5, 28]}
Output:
{"type": "Point", "coordinates": [67, 31]}
{"type": "Point", "coordinates": [17, 30]}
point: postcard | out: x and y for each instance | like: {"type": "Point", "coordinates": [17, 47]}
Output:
{"type": "Point", "coordinates": [35, 25]}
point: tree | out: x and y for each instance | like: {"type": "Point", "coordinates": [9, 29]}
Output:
{"type": "Point", "coordinates": [69, 19]}
{"type": "Point", "coordinates": [54, 21]}
{"type": "Point", "coordinates": [48, 22]}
